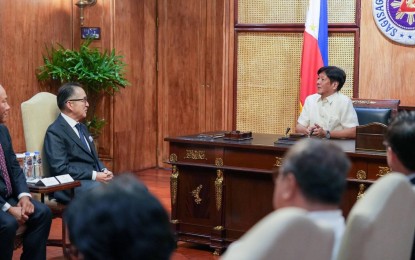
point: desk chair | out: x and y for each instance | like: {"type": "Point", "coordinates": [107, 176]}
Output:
{"type": "Point", "coordinates": [38, 113]}
{"type": "Point", "coordinates": [283, 234]}
{"type": "Point", "coordinates": [375, 110]}
{"type": "Point", "coordinates": [381, 224]}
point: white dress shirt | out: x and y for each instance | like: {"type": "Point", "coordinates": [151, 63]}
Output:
{"type": "Point", "coordinates": [335, 112]}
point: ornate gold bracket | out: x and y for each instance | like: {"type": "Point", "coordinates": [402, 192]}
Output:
{"type": "Point", "coordinates": [174, 221]}
{"type": "Point", "coordinates": [278, 162]}
{"type": "Point", "coordinates": [195, 155]}
{"type": "Point", "coordinates": [383, 171]}
{"type": "Point", "coordinates": [173, 184]}
{"type": "Point", "coordinates": [196, 194]}
{"type": "Point", "coordinates": [173, 158]}
{"type": "Point", "coordinates": [218, 228]}
{"type": "Point", "coordinates": [361, 175]}
{"type": "Point", "coordinates": [219, 183]}
{"type": "Point", "coordinates": [361, 192]}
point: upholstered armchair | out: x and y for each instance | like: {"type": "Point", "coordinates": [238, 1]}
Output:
{"type": "Point", "coordinates": [381, 224]}
{"type": "Point", "coordinates": [283, 234]}
{"type": "Point", "coordinates": [38, 113]}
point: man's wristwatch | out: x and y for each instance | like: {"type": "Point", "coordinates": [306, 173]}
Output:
{"type": "Point", "coordinates": [328, 134]}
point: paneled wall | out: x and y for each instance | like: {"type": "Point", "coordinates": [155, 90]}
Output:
{"type": "Point", "coordinates": [129, 139]}
{"type": "Point", "coordinates": [25, 27]}
{"type": "Point", "coordinates": [133, 139]}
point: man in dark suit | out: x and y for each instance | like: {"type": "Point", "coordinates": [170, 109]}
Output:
{"type": "Point", "coordinates": [400, 140]}
{"type": "Point", "coordinates": [69, 148]}
{"type": "Point", "coordinates": [17, 207]}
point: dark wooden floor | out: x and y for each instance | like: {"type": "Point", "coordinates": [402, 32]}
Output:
{"type": "Point", "coordinates": [157, 181]}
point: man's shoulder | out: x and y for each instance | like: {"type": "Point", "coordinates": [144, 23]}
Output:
{"type": "Point", "coordinates": [343, 97]}
{"type": "Point", "coordinates": [3, 128]}
{"type": "Point", "coordinates": [312, 98]}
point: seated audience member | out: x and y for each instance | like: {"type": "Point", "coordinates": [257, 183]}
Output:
{"type": "Point", "coordinates": [17, 206]}
{"type": "Point", "coordinates": [313, 177]}
{"type": "Point", "coordinates": [328, 113]}
{"type": "Point", "coordinates": [400, 140]}
{"type": "Point", "coordinates": [121, 220]}
{"type": "Point", "coordinates": [69, 147]}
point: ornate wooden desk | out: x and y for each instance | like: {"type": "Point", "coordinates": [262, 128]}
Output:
{"type": "Point", "coordinates": [220, 188]}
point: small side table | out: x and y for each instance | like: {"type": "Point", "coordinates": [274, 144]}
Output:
{"type": "Point", "coordinates": [57, 210]}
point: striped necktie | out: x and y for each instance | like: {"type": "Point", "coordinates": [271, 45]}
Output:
{"type": "Point", "coordinates": [5, 173]}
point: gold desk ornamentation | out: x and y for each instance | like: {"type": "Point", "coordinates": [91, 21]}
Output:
{"type": "Point", "coordinates": [361, 175]}
{"type": "Point", "coordinates": [174, 221]}
{"type": "Point", "coordinates": [219, 188]}
{"type": "Point", "coordinates": [219, 228]}
{"type": "Point", "coordinates": [361, 192]}
{"type": "Point", "coordinates": [196, 194]}
{"type": "Point", "coordinates": [383, 171]}
{"type": "Point", "coordinates": [278, 161]}
{"type": "Point", "coordinates": [173, 184]}
{"type": "Point", "coordinates": [219, 162]}
{"type": "Point", "coordinates": [195, 155]}
{"type": "Point", "coordinates": [173, 158]}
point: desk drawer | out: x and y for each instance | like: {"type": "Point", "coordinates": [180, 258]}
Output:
{"type": "Point", "coordinates": [195, 154]}
{"type": "Point", "coordinates": [368, 169]}
{"type": "Point", "coordinates": [244, 158]}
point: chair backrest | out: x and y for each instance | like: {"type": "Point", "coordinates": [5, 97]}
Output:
{"type": "Point", "coordinates": [381, 224]}
{"type": "Point", "coordinates": [38, 113]}
{"type": "Point", "coordinates": [375, 110]}
{"type": "Point", "coordinates": [283, 234]}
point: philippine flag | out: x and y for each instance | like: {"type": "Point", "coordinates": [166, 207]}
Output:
{"type": "Point", "coordinates": [315, 47]}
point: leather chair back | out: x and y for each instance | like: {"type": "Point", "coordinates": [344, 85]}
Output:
{"type": "Point", "coordinates": [375, 110]}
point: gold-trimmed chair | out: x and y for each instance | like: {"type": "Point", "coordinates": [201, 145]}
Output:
{"type": "Point", "coordinates": [375, 110]}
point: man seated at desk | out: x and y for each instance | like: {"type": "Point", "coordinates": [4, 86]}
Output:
{"type": "Point", "coordinates": [328, 113]}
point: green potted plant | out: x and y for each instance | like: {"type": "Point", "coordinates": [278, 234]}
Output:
{"type": "Point", "coordinates": [101, 73]}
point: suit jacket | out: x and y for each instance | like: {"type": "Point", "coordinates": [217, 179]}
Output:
{"type": "Point", "coordinates": [16, 174]}
{"type": "Point", "coordinates": [67, 155]}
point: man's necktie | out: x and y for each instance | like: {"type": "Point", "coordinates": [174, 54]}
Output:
{"type": "Point", "coordinates": [5, 173]}
{"type": "Point", "coordinates": [82, 136]}
{"type": "Point", "coordinates": [83, 140]}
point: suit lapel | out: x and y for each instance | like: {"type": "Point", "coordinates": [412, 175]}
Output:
{"type": "Point", "coordinates": [71, 133]}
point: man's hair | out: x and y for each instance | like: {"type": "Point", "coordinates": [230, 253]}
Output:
{"type": "Point", "coordinates": [400, 137]}
{"type": "Point", "coordinates": [320, 169]}
{"type": "Point", "coordinates": [121, 220]}
{"type": "Point", "coordinates": [335, 74]}
{"type": "Point", "coordinates": [65, 92]}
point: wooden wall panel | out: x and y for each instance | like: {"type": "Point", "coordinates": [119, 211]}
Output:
{"type": "Point", "coordinates": [135, 108]}
{"type": "Point", "coordinates": [100, 15]}
{"type": "Point", "coordinates": [26, 25]}
{"type": "Point", "coordinates": [182, 63]}
{"type": "Point", "coordinates": [386, 68]}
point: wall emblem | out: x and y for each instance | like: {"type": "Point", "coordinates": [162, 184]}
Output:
{"type": "Point", "coordinates": [396, 19]}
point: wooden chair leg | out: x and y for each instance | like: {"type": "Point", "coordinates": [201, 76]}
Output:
{"type": "Point", "coordinates": [65, 246]}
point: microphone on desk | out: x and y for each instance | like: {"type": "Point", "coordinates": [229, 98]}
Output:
{"type": "Point", "coordinates": [287, 131]}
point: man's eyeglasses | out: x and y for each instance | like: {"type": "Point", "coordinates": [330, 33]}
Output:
{"type": "Point", "coordinates": [85, 99]}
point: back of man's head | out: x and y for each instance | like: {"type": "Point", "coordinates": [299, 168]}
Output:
{"type": "Point", "coordinates": [121, 220]}
{"type": "Point", "coordinates": [400, 137]}
{"type": "Point", "coordinates": [320, 169]}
